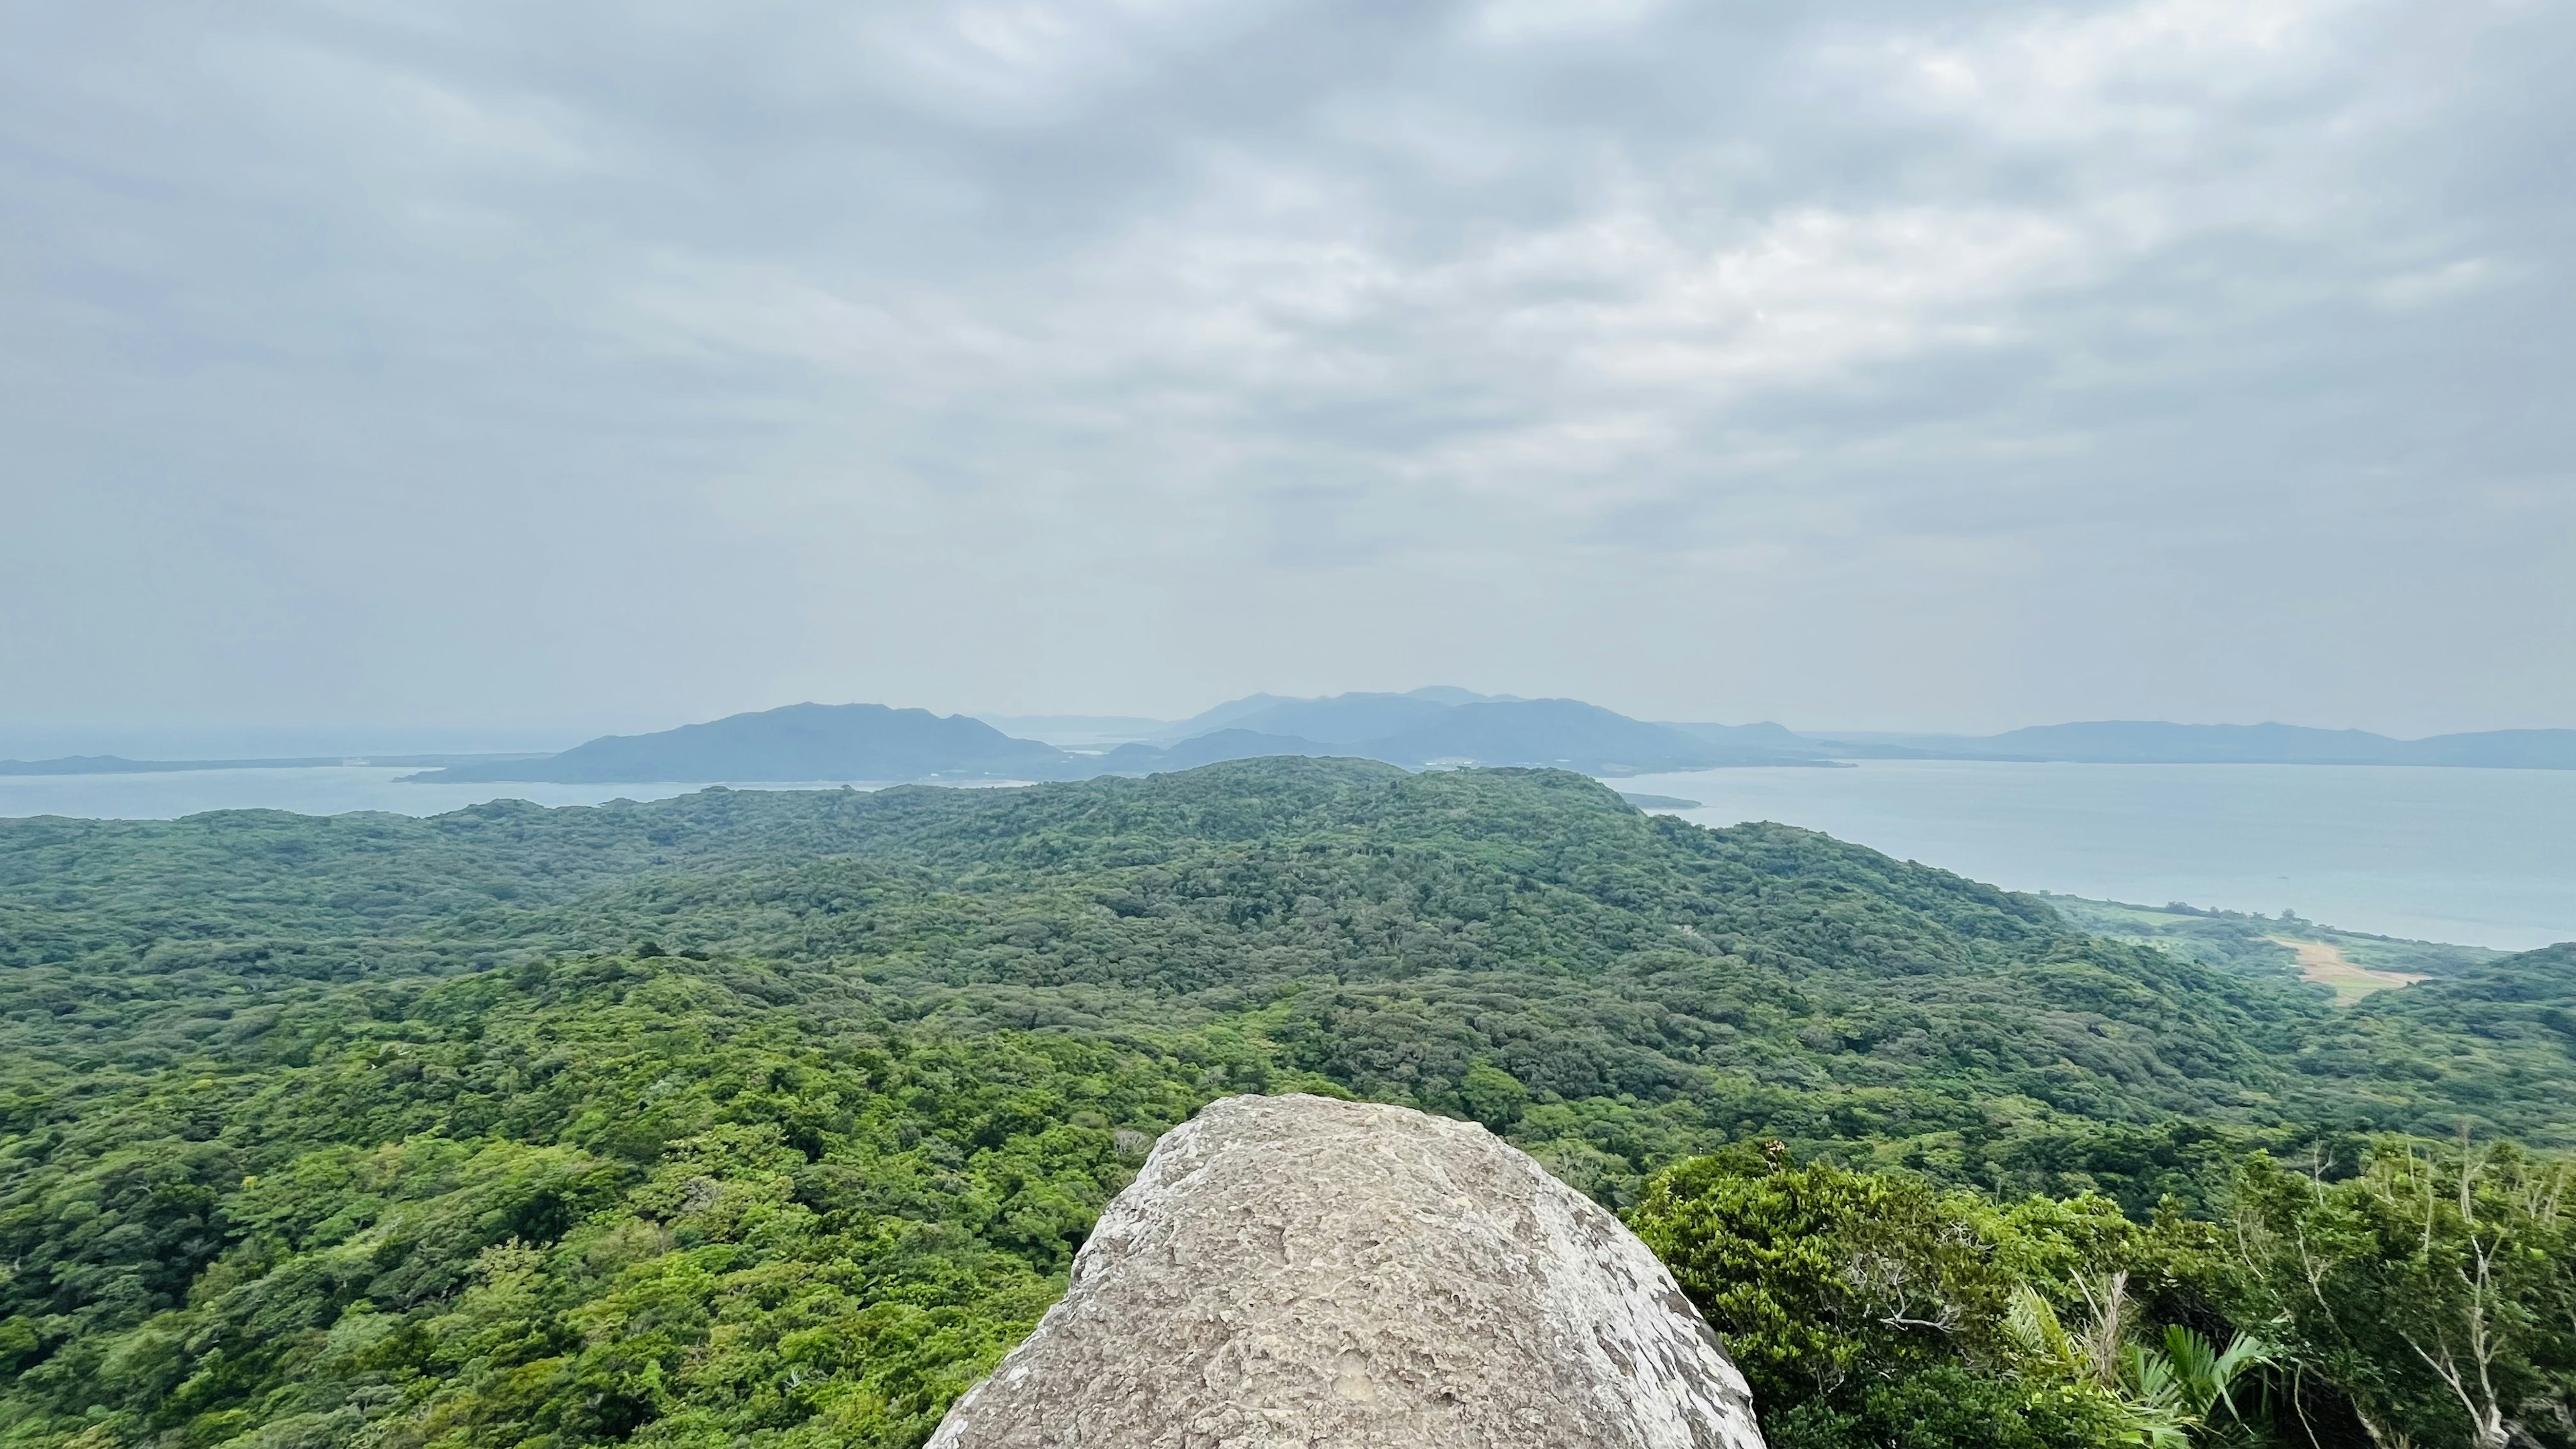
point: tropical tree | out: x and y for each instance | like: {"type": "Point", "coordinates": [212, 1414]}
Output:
{"type": "Point", "coordinates": [2434, 1290]}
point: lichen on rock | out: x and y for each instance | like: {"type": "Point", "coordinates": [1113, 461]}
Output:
{"type": "Point", "coordinates": [1303, 1271]}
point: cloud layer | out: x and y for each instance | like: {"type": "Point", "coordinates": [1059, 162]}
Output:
{"type": "Point", "coordinates": [1854, 365]}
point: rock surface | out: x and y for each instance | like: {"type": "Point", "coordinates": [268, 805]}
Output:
{"type": "Point", "coordinates": [1302, 1271]}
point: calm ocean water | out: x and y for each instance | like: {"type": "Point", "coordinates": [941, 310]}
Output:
{"type": "Point", "coordinates": [323, 790]}
{"type": "Point", "coordinates": [2486, 857]}
{"type": "Point", "coordinates": [2481, 857]}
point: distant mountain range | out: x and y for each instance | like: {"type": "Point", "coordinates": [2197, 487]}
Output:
{"type": "Point", "coordinates": [798, 742]}
{"type": "Point", "coordinates": [1445, 726]}
{"type": "Point", "coordinates": [1342, 719]}
{"type": "Point", "coordinates": [1431, 727]}
{"type": "Point", "coordinates": [1423, 728]}
{"type": "Point", "coordinates": [874, 743]}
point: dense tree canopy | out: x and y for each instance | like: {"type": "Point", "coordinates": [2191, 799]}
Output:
{"type": "Point", "coordinates": [753, 1118]}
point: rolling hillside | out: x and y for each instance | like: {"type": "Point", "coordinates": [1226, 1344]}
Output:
{"type": "Point", "coordinates": [777, 1116]}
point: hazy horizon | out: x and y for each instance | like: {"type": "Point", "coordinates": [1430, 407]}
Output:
{"type": "Point", "coordinates": [504, 373]}
{"type": "Point", "coordinates": [198, 740]}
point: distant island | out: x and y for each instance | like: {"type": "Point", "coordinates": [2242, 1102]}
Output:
{"type": "Point", "coordinates": [1423, 729]}
{"type": "Point", "coordinates": [1658, 802]}
{"type": "Point", "coordinates": [1432, 728]}
{"type": "Point", "coordinates": [799, 742]}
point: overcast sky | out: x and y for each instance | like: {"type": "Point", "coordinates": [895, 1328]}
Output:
{"type": "Point", "coordinates": [586, 366]}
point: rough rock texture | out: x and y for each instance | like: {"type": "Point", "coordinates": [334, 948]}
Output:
{"type": "Point", "coordinates": [1301, 1271]}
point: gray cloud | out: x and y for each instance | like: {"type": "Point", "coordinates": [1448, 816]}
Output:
{"type": "Point", "coordinates": [612, 365]}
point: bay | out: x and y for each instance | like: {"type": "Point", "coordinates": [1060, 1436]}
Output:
{"type": "Point", "coordinates": [2477, 857]}
{"type": "Point", "coordinates": [308, 790]}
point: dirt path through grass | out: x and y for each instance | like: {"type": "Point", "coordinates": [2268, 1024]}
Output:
{"type": "Point", "coordinates": [2328, 966]}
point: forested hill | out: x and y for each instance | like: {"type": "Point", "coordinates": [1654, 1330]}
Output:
{"type": "Point", "coordinates": [780, 1114]}
{"type": "Point", "coordinates": [1386, 929]}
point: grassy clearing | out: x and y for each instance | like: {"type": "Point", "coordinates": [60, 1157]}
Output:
{"type": "Point", "coordinates": [2326, 965]}
{"type": "Point", "coordinates": [2269, 946]}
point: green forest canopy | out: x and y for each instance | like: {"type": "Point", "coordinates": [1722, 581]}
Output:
{"type": "Point", "coordinates": [772, 1118]}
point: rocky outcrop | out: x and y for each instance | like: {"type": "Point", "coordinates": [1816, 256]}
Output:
{"type": "Point", "coordinates": [1302, 1271]}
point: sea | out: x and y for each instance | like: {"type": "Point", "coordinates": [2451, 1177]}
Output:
{"type": "Point", "coordinates": [2477, 857]}
{"type": "Point", "coordinates": [313, 790]}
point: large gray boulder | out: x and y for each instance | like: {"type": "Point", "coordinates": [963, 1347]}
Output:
{"type": "Point", "coordinates": [1301, 1271]}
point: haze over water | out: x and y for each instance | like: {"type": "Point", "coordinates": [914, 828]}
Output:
{"type": "Point", "coordinates": [318, 790]}
{"type": "Point", "coordinates": [2483, 857]}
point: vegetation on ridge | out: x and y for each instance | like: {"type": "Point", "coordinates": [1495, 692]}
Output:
{"type": "Point", "coordinates": [2429, 1298]}
{"type": "Point", "coordinates": [773, 1118]}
